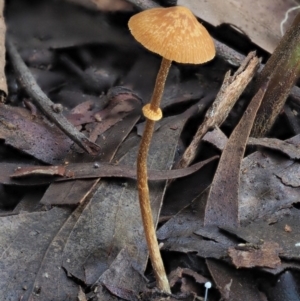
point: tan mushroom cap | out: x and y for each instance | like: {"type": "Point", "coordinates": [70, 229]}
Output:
{"type": "Point", "coordinates": [174, 33]}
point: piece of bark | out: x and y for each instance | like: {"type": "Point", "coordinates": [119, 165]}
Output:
{"type": "Point", "coordinates": [3, 84]}
{"type": "Point", "coordinates": [231, 89]}
{"type": "Point", "coordinates": [222, 206]}
{"type": "Point", "coordinates": [259, 255]}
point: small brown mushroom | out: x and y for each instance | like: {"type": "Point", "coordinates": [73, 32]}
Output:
{"type": "Point", "coordinates": [176, 35]}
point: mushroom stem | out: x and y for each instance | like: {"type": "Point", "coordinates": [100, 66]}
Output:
{"type": "Point", "coordinates": [160, 83]}
{"type": "Point", "coordinates": [142, 180]}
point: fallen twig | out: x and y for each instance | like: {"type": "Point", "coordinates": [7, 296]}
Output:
{"type": "Point", "coordinates": [143, 4]}
{"type": "Point", "coordinates": [231, 89]}
{"type": "Point", "coordinates": [40, 99]}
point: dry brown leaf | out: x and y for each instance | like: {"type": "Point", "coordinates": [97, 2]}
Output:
{"type": "Point", "coordinates": [33, 136]}
{"type": "Point", "coordinates": [260, 21]}
{"type": "Point", "coordinates": [233, 284]}
{"type": "Point", "coordinates": [273, 232]}
{"type": "Point", "coordinates": [222, 206]}
{"type": "Point", "coordinates": [291, 150]}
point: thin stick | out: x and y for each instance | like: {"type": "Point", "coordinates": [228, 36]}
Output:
{"type": "Point", "coordinates": [143, 4]}
{"type": "Point", "coordinates": [40, 99]}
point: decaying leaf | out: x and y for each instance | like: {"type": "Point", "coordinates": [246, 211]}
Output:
{"type": "Point", "coordinates": [217, 138]}
{"type": "Point", "coordinates": [97, 170]}
{"type": "Point", "coordinates": [263, 31]}
{"type": "Point", "coordinates": [291, 150]}
{"type": "Point", "coordinates": [75, 192]}
{"type": "Point", "coordinates": [112, 217]}
{"type": "Point", "coordinates": [36, 240]}
{"type": "Point", "coordinates": [290, 175]}
{"type": "Point", "coordinates": [222, 205]}
{"type": "Point", "coordinates": [234, 284]}
{"type": "Point", "coordinates": [262, 192]}
{"type": "Point", "coordinates": [33, 136]}
{"type": "Point", "coordinates": [59, 27]}
{"type": "Point", "coordinates": [275, 233]}
{"type": "Point", "coordinates": [179, 273]}
{"type": "Point", "coordinates": [111, 280]}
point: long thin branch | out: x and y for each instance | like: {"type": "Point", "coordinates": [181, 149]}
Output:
{"type": "Point", "coordinates": [40, 99]}
{"type": "Point", "coordinates": [143, 4]}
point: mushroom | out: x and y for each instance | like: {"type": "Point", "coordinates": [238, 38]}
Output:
{"type": "Point", "coordinates": [176, 35]}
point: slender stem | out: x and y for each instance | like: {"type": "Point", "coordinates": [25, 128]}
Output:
{"type": "Point", "coordinates": [142, 180]}
{"type": "Point", "coordinates": [160, 84]}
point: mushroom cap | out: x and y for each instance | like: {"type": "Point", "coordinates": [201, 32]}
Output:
{"type": "Point", "coordinates": [174, 33]}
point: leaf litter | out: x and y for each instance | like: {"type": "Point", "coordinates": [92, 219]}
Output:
{"type": "Point", "coordinates": [100, 243]}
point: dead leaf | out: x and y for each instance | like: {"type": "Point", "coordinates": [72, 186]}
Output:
{"type": "Point", "coordinates": [234, 284]}
{"type": "Point", "coordinates": [115, 216]}
{"type": "Point", "coordinates": [119, 286]}
{"type": "Point", "coordinates": [97, 170]}
{"type": "Point", "coordinates": [262, 193]}
{"type": "Point", "coordinates": [259, 231]}
{"type": "Point", "coordinates": [58, 29]}
{"type": "Point", "coordinates": [74, 192]}
{"type": "Point", "coordinates": [290, 175]}
{"type": "Point", "coordinates": [32, 136]}
{"type": "Point", "coordinates": [262, 31]}
{"type": "Point", "coordinates": [289, 149]}
{"type": "Point", "coordinates": [36, 240]}
{"type": "Point", "coordinates": [217, 138]}
{"type": "Point", "coordinates": [179, 273]}
{"type": "Point", "coordinates": [222, 206]}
